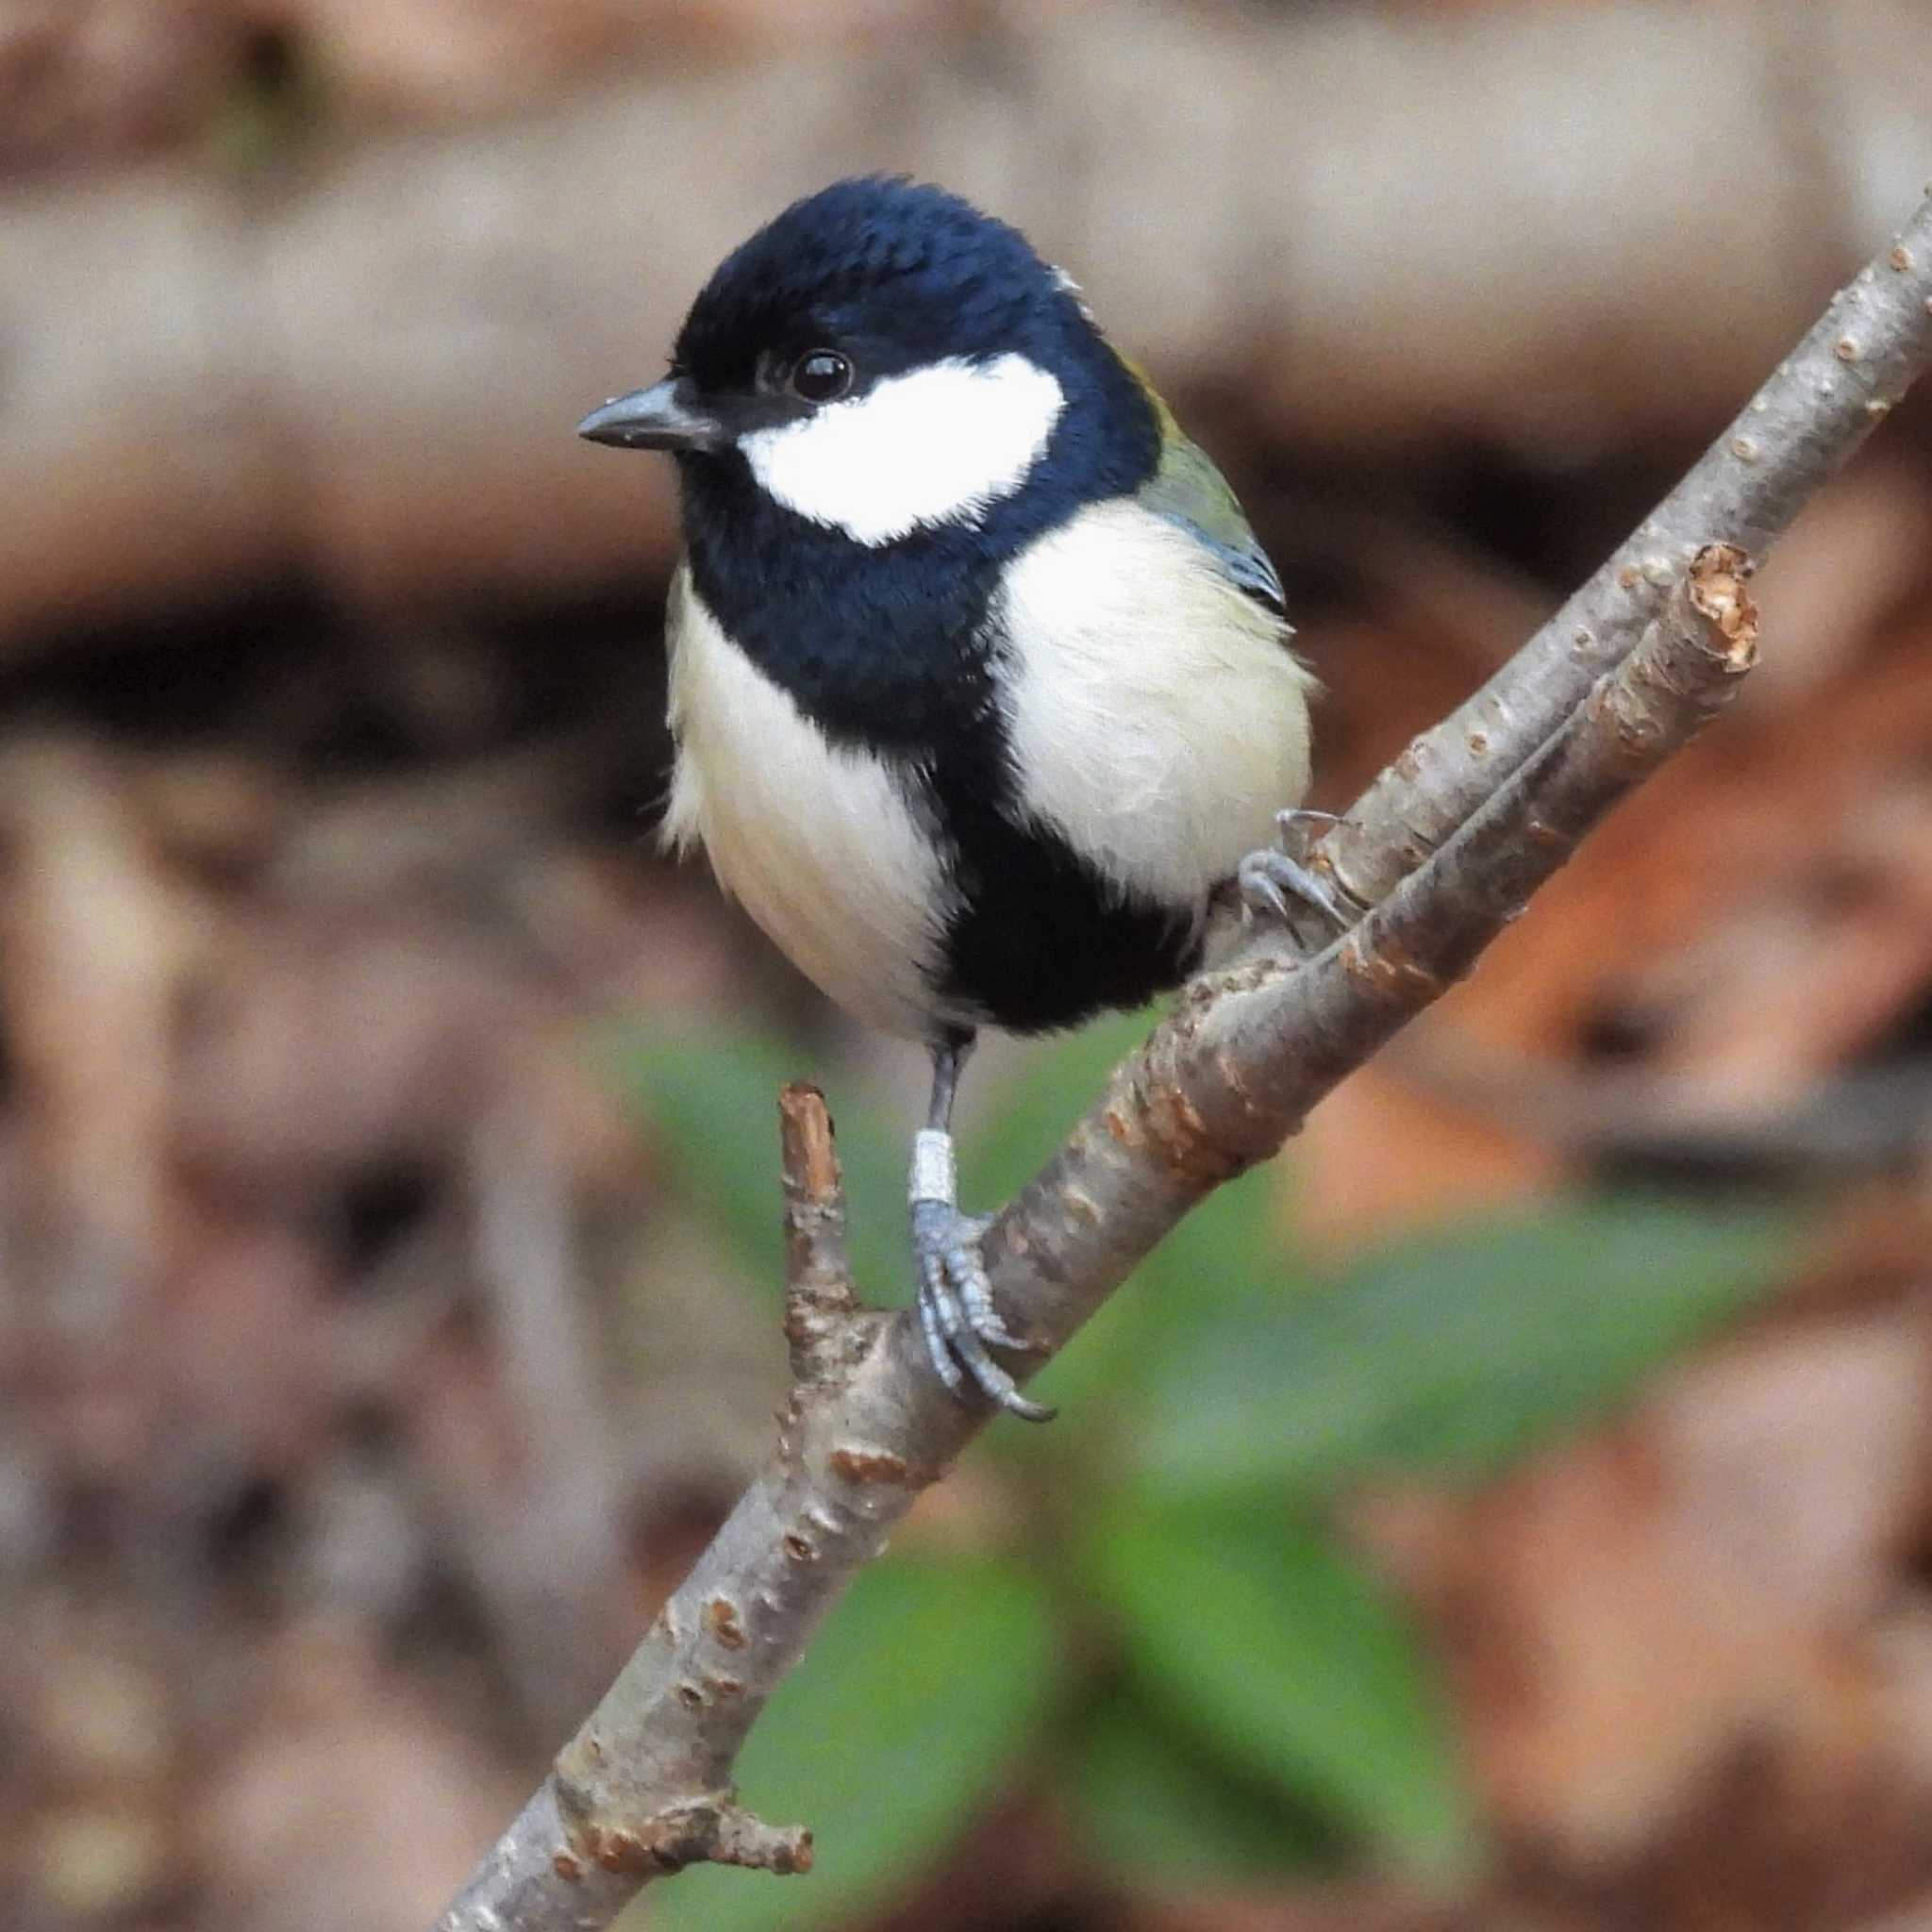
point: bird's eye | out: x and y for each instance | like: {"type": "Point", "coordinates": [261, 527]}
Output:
{"type": "Point", "coordinates": [821, 374]}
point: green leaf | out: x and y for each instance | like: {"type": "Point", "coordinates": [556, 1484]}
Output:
{"type": "Point", "coordinates": [712, 1099]}
{"type": "Point", "coordinates": [1154, 1799]}
{"type": "Point", "coordinates": [1271, 1642]}
{"type": "Point", "coordinates": [912, 1705]}
{"type": "Point", "coordinates": [1454, 1351]}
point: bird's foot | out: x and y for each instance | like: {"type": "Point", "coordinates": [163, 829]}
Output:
{"type": "Point", "coordinates": [1269, 879]}
{"type": "Point", "coordinates": [955, 1312]}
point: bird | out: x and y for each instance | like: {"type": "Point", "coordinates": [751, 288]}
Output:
{"type": "Point", "coordinates": [982, 689]}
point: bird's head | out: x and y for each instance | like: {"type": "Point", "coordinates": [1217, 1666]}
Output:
{"type": "Point", "coordinates": [882, 359]}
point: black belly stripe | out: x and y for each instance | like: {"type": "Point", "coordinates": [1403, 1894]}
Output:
{"type": "Point", "coordinates": [1040, 940]}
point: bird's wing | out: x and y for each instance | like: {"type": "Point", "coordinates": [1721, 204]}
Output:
{"type": "Point", "coordinates": [1187, 490]}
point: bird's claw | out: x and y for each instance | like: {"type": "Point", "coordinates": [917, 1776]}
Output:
{"type": "Point", "coordinates": [1269, 879]}
{"type": "Point", "coordinates": [955, 1312]}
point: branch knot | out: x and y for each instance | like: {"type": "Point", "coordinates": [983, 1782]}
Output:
{"type": "Point", "coordinates": [713, 1829]}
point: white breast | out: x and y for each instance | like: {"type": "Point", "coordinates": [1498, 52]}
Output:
{"type": "Point", "coordinates": [817, 841]}
{"type": "Point", "coordinates": [1158, 720]}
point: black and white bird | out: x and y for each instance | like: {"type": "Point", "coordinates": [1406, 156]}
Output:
{"type": "Point", "coordinates": [980, 683]}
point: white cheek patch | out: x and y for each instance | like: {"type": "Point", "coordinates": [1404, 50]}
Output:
{"type": "Point", "coordinates": [940, 446]}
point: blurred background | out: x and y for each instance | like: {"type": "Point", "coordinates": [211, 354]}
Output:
{"type": "Point", "coordinates": [1512, 1509]}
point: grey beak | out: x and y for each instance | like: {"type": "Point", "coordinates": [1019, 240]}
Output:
{"type": "Point", "coordinates": [662, 417]}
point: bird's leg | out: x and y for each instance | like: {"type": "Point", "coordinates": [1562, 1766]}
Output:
{"type": "Point", "coordinates": [956, 1311]}
{"type": "Point", "coordinates": [1269, 878]}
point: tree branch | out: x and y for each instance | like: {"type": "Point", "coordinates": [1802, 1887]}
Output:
{"type": "Point", "coordinates": [1826, 396]}
{"type": "Point", "coordinates": [644, 1787]}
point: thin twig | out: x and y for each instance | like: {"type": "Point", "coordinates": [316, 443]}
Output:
{"type": "Point", "coordinates": [1824, 398]}
{"type": "Point", "coordinates": [1219, 1086]}
{"type": "Point", "coordinates": [823, 1319]}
